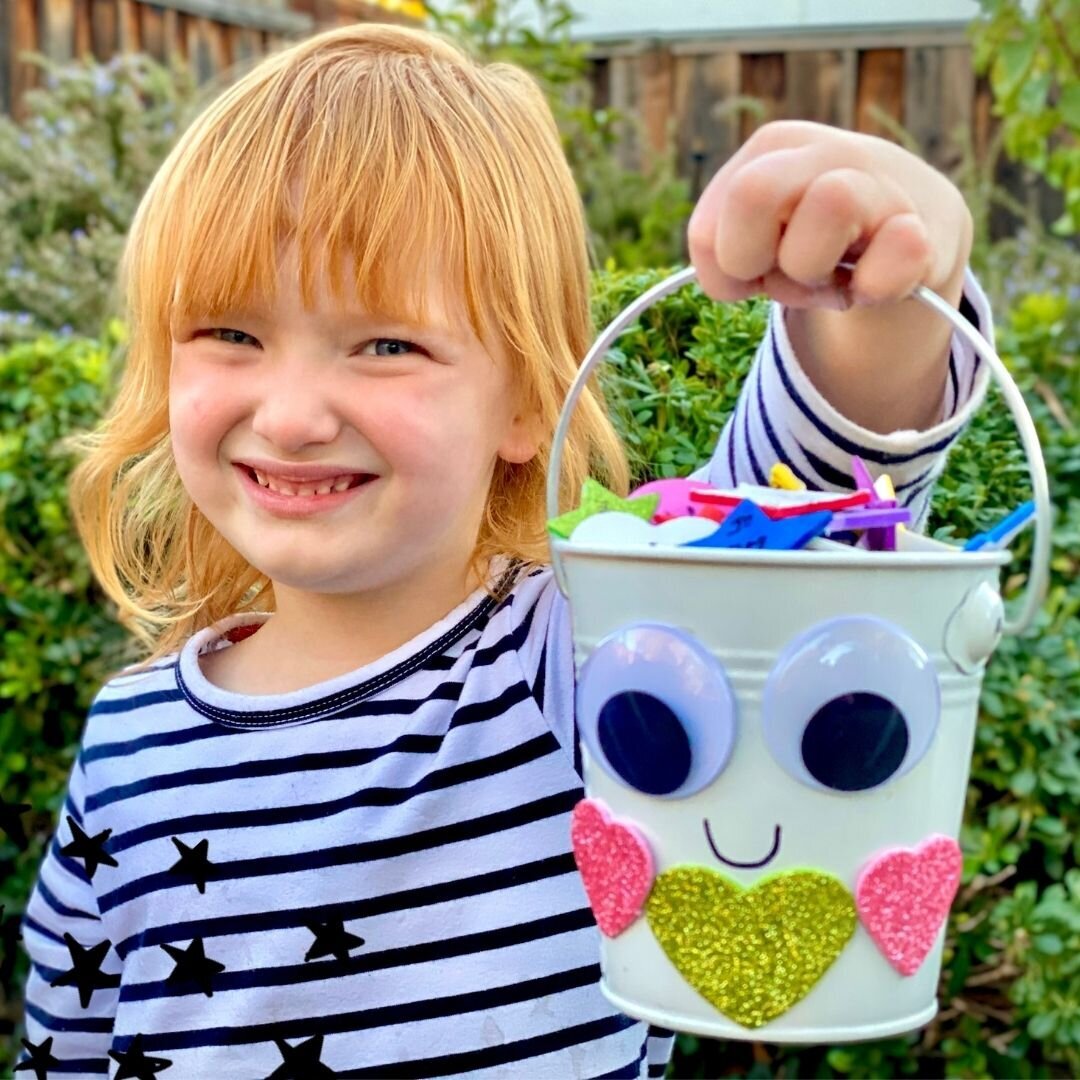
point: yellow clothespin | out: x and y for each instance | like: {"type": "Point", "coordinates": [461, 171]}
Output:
{"type": "Point", "coordinates": [781, 476]}
{"type": "Point", "coordinates": [883, 489]}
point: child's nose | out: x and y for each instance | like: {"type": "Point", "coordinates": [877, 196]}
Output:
{"type": "Point", "coordinates": [295, 411]}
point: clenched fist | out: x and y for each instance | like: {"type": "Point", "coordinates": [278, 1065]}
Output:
{"type": "Point", "coordinates": [797, 199]}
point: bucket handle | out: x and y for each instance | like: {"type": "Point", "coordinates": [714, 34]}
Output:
{"type": "Point", "coordinates": [1040, 559]}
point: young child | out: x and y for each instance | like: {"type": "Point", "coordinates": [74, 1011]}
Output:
{"type": "Point", "coordinates": [324, 828]}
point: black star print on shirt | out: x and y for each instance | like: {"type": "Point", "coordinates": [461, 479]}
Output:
{"type": "Point", "coordinates": [135, 1065]}
{"type": "Point", "coordinates": [40, 1058]}
{"type": "Point", "coordinates": [300, 1062]}
{"type": "Point", "coordinates": [193, 863]}
{"type": "Point", "coordinates": [86, 974]}
{"type": "Point", "coordinates": [11, 823]}
{"type": "Point", "coordinates": [193, 964]}
{"type": "Point", "coordinates": [90, 849]}
{"type": "Point", "coordinates": [331, 939]}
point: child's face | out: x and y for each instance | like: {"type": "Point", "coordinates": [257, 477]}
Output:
{"type": "Point", "coordinates": [425, 412]}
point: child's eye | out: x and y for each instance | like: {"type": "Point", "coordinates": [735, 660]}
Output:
{"type": "Point", "coordinates": [398, 347]}
{"type": "Point", "coordinates": [224, 333]}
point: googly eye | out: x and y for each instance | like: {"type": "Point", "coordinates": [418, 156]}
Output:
{"type": "Point", "coordinates": [656, 710]}
{"type": "Point", "coordinates": [850, 705]}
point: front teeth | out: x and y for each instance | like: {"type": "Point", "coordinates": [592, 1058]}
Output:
{"type": "Point", "coordinates": [283, 487]}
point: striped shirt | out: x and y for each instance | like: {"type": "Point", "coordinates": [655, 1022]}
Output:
{"type": "Point", "coordinates": [372, 876]}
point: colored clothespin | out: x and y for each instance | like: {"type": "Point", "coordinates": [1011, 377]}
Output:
{"type": "Point", "coordinates": [871, 518]}
{"type": "Point", "coordinates": [881, 537]}
{"type": "Point", "coordinates": [1003, 534]}
{"type": "Point", "coordinates": [777, 503]}
{"type": "Point", "coordinates": [781, 476]}
{"type": "Point", "coordinates": [747, 526]}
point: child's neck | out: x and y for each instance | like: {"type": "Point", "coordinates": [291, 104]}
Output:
{"type": "Point", "coordinates": [313, 637]}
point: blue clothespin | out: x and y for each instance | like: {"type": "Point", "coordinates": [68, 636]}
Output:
{"type": "Point", "coordinates": [1002, 534]}
{"type": "Point", "coordinates": [747, 526]}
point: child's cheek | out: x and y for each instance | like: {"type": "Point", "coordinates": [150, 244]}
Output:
{"type": "Point", "coordinates": [200, 417]}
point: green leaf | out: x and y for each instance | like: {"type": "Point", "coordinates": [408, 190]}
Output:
{"type": "Point", "coordinates": [1014, 62]}
{"type": "Point", "coordinates": [1069, 104]}
{"type": "Point", "coordinates": [1050, 944]}
{"type": "Point", "coordinates": [1040, 1026]}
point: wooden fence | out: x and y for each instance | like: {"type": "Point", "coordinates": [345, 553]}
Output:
{"type": "Point", "coordinates": [685, 92]}
{"type": "Point", "coordinates": [212, 35]}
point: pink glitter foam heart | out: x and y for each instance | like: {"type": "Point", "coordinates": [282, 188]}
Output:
{"type": "Point", "coordinates": [616, 865]}
{"type": "Point", "coordinates": [903, 896]}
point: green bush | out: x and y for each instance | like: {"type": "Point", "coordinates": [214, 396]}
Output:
{"type": "Point", "coordinates": [1011, 985]}
{"type": "Point", "coordinates": [59, 638]}
{"type": "Point", "coordinates": [71, 174]}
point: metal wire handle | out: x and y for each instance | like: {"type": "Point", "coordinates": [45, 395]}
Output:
{"type": "Point", "coordinates": [1038, 578]}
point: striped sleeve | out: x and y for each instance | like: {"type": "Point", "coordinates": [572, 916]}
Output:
{"type": "Point", "coordinates": [661, 1044]}
{"type": "Point", "coordinates": [73, 984]}
{"type": "Point", "coordinates": [781, 416]}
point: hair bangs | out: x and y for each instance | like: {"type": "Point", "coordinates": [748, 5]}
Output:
{"type": "Point", "coordinates": [359, 175]}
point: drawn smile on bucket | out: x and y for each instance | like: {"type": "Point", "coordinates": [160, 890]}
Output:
{"type": "Point", "coordinates": [744, 865]}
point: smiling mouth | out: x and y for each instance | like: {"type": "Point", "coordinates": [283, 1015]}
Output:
{"type": "Point", "coordinates": [744, 865]}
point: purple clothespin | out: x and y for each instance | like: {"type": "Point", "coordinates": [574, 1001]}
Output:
{"type": "Point", "coordinates": [871, 518]}
{"type": "Point", "coordinates": [881, 534]}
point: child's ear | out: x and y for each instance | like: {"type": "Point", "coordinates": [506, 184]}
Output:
{"type": "Point", "coordinates": [521, 443]}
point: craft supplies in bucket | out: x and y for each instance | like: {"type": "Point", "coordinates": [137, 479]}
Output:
{"type": "Point", "coordinates": [777, 732]}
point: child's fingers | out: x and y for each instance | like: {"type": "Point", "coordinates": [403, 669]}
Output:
{"type": "Point", "coordinates": [832, 213]}
{"type": "Point", "coordinates": [898, 257]}
{"type": "Point", "coordinates": [735, 228]}
{"type": "Point", "coordinates": [790, 209]}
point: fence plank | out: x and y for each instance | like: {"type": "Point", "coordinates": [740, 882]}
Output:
{"type": "Point", "coordinates": [221, 51]}
{"type": "Point", "coordinates": [762, 76]}
{"type": "Point", "coordinates": [624, 91]}
{"type": "Point", "coordinates": [922, 104]}
{"type": "Point", "coordinates": [246, 44]}
{"type": "Point", "coordinates": [820, 85]}
{"type": "Point", "coordinates": [83, 35]}
{"type": "Point", "coordinates": [881, 86]}
{"type": "Point", "coordinates": [706, 125]}
{"type": "Point", "coordinates": [657, 96]}
{"type": "Point", "coordinates": [103, 29]}
{"type": "Point", "coordinates": [957, 103]}
{"type": "Point", "coordinates": [199, 51]}
{"type": "Point", "coordinates": [154, 29]}
{"type": "Point", "coordinates": [7, 53]}
{"type": "Point", "coordinates": [175, 26]}
{"type": "Point", "coordinates": [58, 29]}
{"type": "Point", "coordinates": [129, 25]}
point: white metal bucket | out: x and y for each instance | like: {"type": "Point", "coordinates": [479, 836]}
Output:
{"type": "Point", "coordinates": [757, 901]}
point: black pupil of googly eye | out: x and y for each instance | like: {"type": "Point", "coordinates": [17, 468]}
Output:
{"type": "Point", "coordinates": [644, 742]}
{"type": "Point", "coordinates": [855, 742]}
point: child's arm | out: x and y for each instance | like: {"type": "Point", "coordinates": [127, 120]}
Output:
{"type": "Point", "coordinates": [72, 989]}
{"type": "Point", "coordinates": [888, 382]}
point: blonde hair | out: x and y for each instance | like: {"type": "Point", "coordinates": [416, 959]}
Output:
{"type": "Point", "coordinates": [384, 144]}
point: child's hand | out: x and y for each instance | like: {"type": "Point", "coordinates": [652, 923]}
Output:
{"type": "Point", "coordinates": [800, 197]}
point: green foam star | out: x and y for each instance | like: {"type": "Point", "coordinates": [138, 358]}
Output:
{"type": "Point", "coordinates": [595, 499]}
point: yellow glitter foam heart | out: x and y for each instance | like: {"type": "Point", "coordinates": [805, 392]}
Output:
{"type": "Point", "coordinates": [752, 953]}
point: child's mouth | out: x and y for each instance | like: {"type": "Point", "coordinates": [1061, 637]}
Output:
{"type": "Point", "coordinates": [303, 500]}
{"type": "Point", "coordinates": [744, 865]}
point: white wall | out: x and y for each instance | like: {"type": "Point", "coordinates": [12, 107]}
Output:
{"type": "Point", "coordinates": [666, 18]}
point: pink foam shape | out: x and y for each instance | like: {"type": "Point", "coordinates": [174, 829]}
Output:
{"type": "Point", "coordinates": [903, 896]}
{"type": "Point", "coordinates": [616, 865]}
